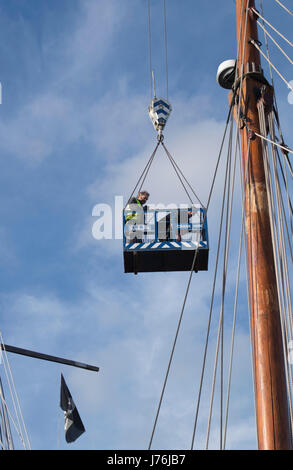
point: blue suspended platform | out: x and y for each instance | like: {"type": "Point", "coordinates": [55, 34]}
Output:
{"type": "Point", "coordinates": [165, 240]}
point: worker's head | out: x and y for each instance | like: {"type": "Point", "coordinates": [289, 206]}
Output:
{"type": "Point", "coordinates": [143, 196]}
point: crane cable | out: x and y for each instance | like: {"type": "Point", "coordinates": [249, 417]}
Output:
{"type": "Point", "coordinates": [144, 173]}
{"type": "Point", "coordinates": [190, 276]}
{"type": "Point", "coordinates": [166, 52]}
{"type": "Point", "coordinates": [152, 88]}
{"type": "Point", "coordinates": [150, 48]}
{"type": "Point", "coordinates": [185, 297]}
{"type": "Point", "coordinates": [189, 282]}
{"type": "Point", "coordinates": [177, 170]}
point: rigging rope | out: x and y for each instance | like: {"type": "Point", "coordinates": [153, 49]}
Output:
{"type": "Point", "coordinates": [252, 41]}
{"type": "Point", "coordinates": [226, 195]}
{"type": "Point", "coordinates": [285, 8]}
{"type": "Point", "coordinates": [233, 330]}
{"type": "Point", "coordinates": [287, 149]}
{"type": "Point", "coordinates": [275, 42]}
{"type": "Point", "coordinates": [217, 257]}
{"type": "Point", "coordinates": [290, 208]}
{"type": "Point", "coordinates": [229, 207]}
{"type": "Point", "coordinates": [19, 425]}
{"type": "Point", "coordinates": [266, 21]}
{"type": "Point", "coordinates": [284, 273]}
{"type": "Point", "coordinates": [285, 156]}
{"type": "Point", "coordinates": [178, 170]}
{"type": "Point", "coordinates": [188, 284]}
{"type": "Point", "coordinates": [279, 251]}
{"type": "Point", "coordinates": [144, 173]}
{"type": "Point", "coordinates": [220, 325]}
{"type": "Point", "coordinates": [5, 428]}
{"type": "Point", "coordinates": [223, 433]}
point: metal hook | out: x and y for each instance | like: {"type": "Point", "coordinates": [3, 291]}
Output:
{"type": "Point", "coordinates": [160, 136]}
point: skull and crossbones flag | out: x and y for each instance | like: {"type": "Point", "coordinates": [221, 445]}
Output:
{"type": "Point", "coordinates": [73, 424]}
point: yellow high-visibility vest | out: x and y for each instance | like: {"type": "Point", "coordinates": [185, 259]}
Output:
{"type": "Point", "coordinates": [133, 215]}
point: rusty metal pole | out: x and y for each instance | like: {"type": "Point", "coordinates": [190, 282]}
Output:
{"type": "Point", "coordinates": [271, 400]}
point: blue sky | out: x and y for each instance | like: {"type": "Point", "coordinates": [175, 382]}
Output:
{"type": "Point", "coordinates": [74, 133]}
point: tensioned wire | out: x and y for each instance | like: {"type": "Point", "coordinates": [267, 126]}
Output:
{"type": "Point", "coordinates": [229, 207]}
{"type": "Point", "coordinates": [290, 208]}
{"type": "Point", "coordinates": [285, 156]}
{"type": "Point", "coordinates": [252, 41]}
{"type": "Point", "coordinates": [180, 174]}
{"type": "Point", "coordinates": [275, 42]}
{"type": "Point", "coordinates": [144, 173]}
{"type": "Point", "coordinates": [166, 52]}
{"type": "Point", "coordinates": [272, 141]}
{"type": "Point", "coordinates": [177, 170]}
{"type": "Point", "coordinates": [225, 199]}
{"type": "Point", "coordinates": [188, 284]}
{"type": "Point", "coordinates": [150, 48]}
{"type": "Point", "coordinates": [278, 238]}
{"type": "Point", "coordinates": [285, 8]}
{"type": "Point", "coordinates": [287, 149]}
{"type": "Point", "coordinates": [20, 424]}
{"type": "Point", "coordinates": [5, 430]}
{"type": "Point", "coordinates": [171, 356]}
{"type": "Point", "coordinates": [170, 360]}
{"type": "Point", "coordinates": [234, 317]}
{"type": "Point", "coordinates": [215, 274]}
{"type": "Point", "coordinates": [221, 321]}
{"type": "Point", "coordinates": [276, 31]}
{"type": "Point", "coordinates": [165, 48]}
{"type": "Point", "coordinates": [283, 271]}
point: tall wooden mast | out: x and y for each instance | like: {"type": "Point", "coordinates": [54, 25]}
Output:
{"type": "Point", "coordinates": [271, 400]}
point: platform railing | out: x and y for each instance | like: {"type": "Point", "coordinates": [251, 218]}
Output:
{"type": "Point", "coordinates": [154, 225]}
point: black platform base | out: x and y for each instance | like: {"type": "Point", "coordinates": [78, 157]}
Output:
{"type": "Point", "coordinates": [160, 261]}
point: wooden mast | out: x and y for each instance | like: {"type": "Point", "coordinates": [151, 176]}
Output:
{"type": "Point", "coordinates": [271, 400]}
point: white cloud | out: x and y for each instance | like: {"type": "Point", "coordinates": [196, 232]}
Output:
{"type": "Point", "coordinates": [39, 128]}
{"type": "Point", "coordinates": [55, 117]}
{"type": "Point", "coordinates": [127, 329]}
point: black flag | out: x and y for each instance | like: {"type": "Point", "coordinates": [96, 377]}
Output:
{"type": "Point", "coordinates": [73, 424]}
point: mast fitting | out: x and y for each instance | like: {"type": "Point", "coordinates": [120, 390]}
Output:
{"type": "Point", "coordinates": [253, 13]}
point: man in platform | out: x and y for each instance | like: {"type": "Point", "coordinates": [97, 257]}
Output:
{"type": "Point", "coordinates": [135, 217]}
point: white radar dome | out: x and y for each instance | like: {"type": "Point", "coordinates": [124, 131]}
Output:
{"type": "Point", "coordinates": [226, 73]}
